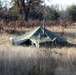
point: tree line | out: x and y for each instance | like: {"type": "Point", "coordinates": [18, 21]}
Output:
{"type": "Point", "coordinates": [35, 10]}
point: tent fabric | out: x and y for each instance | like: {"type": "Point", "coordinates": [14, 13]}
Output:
{"type": "Point", "coordinates": [37, 36]}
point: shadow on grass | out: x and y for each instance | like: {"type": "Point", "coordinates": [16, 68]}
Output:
{"type": "Point", "coordinates": [70, 45]}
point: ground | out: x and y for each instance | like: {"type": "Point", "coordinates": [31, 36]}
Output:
{"type": "Point", "coordinates": [21, 60]}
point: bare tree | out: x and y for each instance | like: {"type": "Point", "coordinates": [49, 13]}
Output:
{"type": "Point", "coordinates": [25, 5]}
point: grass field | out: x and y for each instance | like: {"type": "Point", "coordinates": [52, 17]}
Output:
{"type": "Point", "coordinates": [20, 60]}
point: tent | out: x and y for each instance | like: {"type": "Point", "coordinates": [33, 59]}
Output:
{"type": "Point", "coordinates": [38, 38]}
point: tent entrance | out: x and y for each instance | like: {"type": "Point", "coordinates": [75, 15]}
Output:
{"type": "Point", "coordinates": [28, 43]}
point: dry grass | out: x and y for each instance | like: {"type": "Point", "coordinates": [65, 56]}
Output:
{"type": "Point", "coordinates": [20, 60]}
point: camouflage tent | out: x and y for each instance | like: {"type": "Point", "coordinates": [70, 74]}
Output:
{"type": "Point", "coordinates": [37, 37]}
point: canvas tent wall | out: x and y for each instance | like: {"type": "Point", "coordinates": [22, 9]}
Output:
{"type": "Point", "coordinates": [37, 37]}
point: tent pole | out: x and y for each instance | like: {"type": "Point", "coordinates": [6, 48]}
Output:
{"type": "Point", "coordinates": [44, 20]}
{"type": "Point", "coordinates": [44, 24]}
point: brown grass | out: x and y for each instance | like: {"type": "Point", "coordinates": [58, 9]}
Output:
{"type": "Point", "coordinates": [20, 60]}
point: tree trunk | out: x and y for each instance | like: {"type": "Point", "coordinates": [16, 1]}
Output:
{"type": "Point", "coordinates": [26, 10]}
{"type": "Point", "coordinates": [26, 14]}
